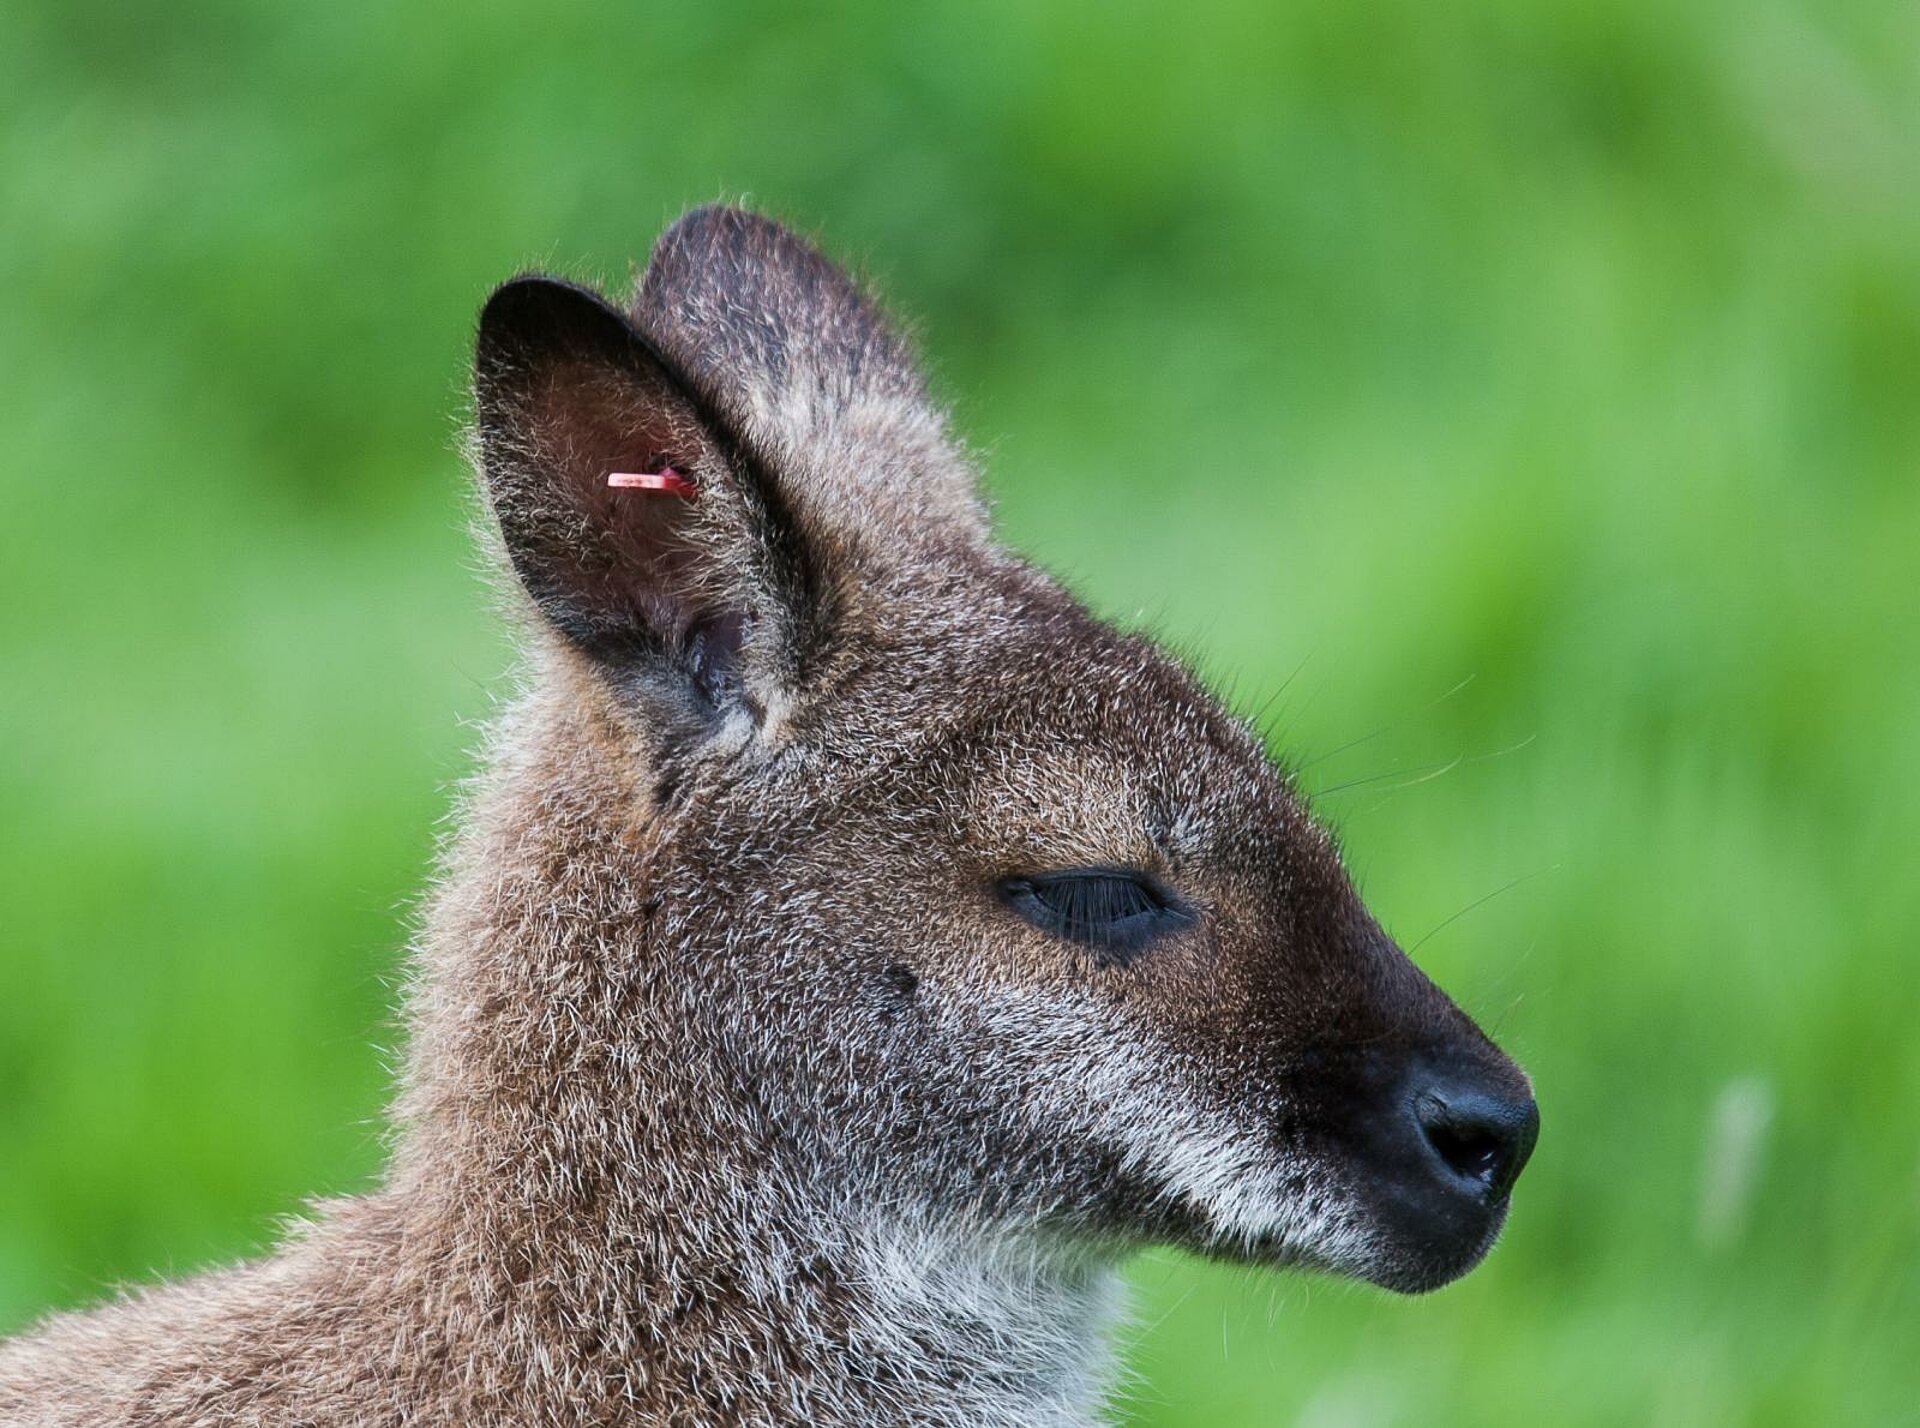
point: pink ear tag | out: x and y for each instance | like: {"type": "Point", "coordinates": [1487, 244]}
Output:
{"type": "Point", "coordinates": [666, 480]}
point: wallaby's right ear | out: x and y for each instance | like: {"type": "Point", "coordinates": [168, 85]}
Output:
{"type": "Point", "coordinates": [567, 394]}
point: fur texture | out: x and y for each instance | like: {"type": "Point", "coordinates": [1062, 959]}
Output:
{"type": "Point", "coordinates": [734, 1094]}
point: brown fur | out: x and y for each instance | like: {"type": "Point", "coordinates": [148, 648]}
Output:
{"type": "Point", "coordinates": [735, 1091]}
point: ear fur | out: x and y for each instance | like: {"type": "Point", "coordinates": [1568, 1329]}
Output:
{"type": "Point", "coordinates": [568, 392]}
{"type": "Point", "coordinates": [811, 372]}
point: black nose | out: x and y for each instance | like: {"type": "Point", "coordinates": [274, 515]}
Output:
{"type": "Point", "coordinates": [1480, 1135]}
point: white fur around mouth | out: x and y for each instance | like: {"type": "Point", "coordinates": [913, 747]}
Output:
{"type": "Point", "coordinates": [1119, 1086]}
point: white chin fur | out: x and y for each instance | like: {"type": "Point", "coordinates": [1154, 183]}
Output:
{"type": "Point", "coordinates": [1127, 1090]}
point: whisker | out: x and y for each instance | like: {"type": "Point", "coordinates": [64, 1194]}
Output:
{"type": "Point", "coordinates": [1482, 902]}
{"type": "Point", "coordinates": [1413, 776]}
{"type": "Point", "coordinates": [1389, 726]}
{"type": "Point", "coordinates": [1258, 716]}
{"type": "Point", "coordinates": [1502, 753]}
{"type": "Point", "coordinates": [1435, 770]}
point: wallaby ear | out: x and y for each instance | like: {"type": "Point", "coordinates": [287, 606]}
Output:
{"type": "Point", "coordinates": [675, 575]}
{"type": "Point", "coordinates": [813, 375]}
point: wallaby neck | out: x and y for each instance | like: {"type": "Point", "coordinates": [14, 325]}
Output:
{"type": "Point", "coordinates": [676, 1251]}
{"type": "Point", "coordinates": [660, 1316]}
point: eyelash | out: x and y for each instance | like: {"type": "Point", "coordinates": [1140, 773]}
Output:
{"type": "Point", "coordinates": [1116, 912]}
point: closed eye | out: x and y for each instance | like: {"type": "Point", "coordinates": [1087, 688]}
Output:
{"type": "Point", "coordinates": [1116, 912]}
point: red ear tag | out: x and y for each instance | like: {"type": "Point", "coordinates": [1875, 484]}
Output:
{"type": "Point", "coordinates": [666, 481]}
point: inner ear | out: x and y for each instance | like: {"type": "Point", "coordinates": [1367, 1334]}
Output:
{"type": "Point", "coordinates": [614, 492]}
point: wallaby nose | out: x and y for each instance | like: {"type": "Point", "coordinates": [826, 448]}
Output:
{"type": "Point", "coordinates": [1480, 1134]}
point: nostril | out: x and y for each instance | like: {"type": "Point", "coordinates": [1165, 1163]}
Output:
{"type": "Point", "coordinates": [1467, 1151]}
{"type": "Point", "coordinates": [1484, 1140]}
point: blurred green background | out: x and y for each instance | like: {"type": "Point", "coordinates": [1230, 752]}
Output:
{"type": "Point", "coordinates": [1538, 385]}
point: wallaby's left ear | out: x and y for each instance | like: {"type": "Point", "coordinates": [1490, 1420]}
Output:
{"type": "Point", "coordinates": [700, 588]}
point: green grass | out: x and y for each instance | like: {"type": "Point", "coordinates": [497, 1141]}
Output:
{"type": "Point", "coordinates": [1541, 382]}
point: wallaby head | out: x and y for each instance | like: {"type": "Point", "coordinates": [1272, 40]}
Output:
{"type": "Point", "coordinates": [910, 891]}
{"type": "Point", "coordinates": [853, 950]}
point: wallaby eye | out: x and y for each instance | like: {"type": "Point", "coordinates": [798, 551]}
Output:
{"type": "Point", "coordinates": [1114, 911]}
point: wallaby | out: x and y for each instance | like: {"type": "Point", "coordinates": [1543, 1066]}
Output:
{"type": "Point", "coordinates": [853, 952]}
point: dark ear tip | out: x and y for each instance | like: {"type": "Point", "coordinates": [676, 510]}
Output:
{"type": "Point", "coordinates": [534, 313]}
{"type": "Point", "coordinates": [718, 235]}
{"type": "Point", "coordinates": [717, 219]}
